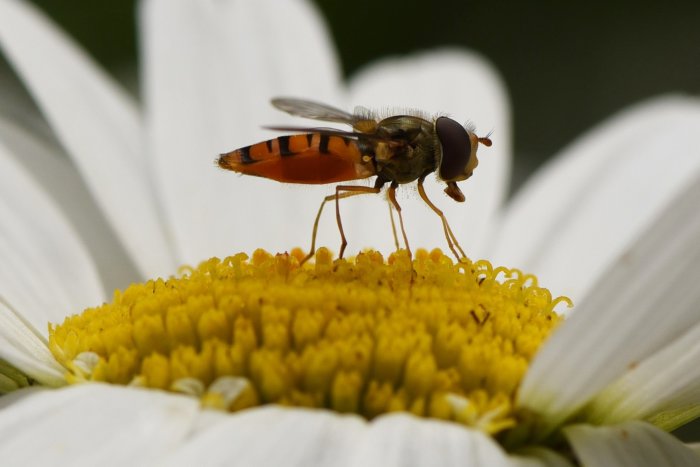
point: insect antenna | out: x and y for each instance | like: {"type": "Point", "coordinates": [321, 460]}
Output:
{"type": "Point", "coordinates": [486, 140]}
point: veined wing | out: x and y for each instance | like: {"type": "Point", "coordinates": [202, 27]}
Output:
{"type": "Point", "coordinates": [333, 132]}
{"type": "Point", "coordinates": [314, 110]}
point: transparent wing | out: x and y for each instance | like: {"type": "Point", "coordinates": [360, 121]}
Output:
{"type": "Point", "coordinates": [330, 132]}
{"type": "Point", "coordinates": [314, 110]}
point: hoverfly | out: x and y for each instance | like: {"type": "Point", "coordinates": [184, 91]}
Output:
{"type": "Point", "coordinates": [398, 149]}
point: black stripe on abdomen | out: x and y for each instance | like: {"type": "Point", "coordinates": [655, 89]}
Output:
{"type": "Point", "coordinates": [323, 144]}
{"type": "Point", "coordinates": [284, 146]}
{"type": "Point", "coordinates": [245, 155]}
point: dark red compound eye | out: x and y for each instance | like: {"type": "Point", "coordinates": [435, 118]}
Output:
{"type": "Point", "coordinates": [456, 148]}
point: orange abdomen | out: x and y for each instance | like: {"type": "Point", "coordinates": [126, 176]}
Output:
{"type": "Point", "coordinates": [313, 158]}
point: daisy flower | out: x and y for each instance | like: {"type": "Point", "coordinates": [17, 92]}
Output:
{"type": "Point", "coordinates": [420, 363]}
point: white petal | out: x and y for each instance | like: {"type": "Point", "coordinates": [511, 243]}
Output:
{"type": "Point", "coordinates": [96, 122]}
{"type": "Point", "coordinates": [93, 424]}
{"type": "Point", "coordinates": [299, 437]}
{"type": "Point", "coordinates": [8, 399]}
{"type": "Point", "coordinates": [581, 211]}
{"type": "Point", "coordinates": [211, 69]}
{"type": "Point", "coordinates": [206, 419]}
{"type": "Point", "coordinates": [403, 440]}
{"type": "Point", "coordinates": [466, 87]}
{"type": "Point", "coordinates": [695, 447]}
{"type": "Point", "coordinates": [666, 383]}
{"type": "Point", "coordinates": [646, 300]}
{"type": "Point", "coordinates": [632, 444]}
{"type": "Point", "coordinates": [45, 271]}
{"type": "Point", "coordinates": [53, 171]}
{"type": "Point", "coordinates": [274, 436]}
{"type": "Point", "coordinates": [26, 349]}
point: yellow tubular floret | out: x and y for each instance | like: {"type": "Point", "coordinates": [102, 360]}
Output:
{"type": "Point", "coordinates": [366, 335]}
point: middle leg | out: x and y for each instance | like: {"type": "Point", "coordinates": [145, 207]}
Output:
{"type": "Point", "coordinates": [391, 194]}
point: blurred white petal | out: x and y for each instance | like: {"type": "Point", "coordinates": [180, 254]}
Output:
{"type": "Point", "coordinates": [316, 437]}
{"type": "Point", "coordinates": [466, 87]}
{"type": "Point", "coordinates": [665, 384]}
{"type": "Point", "coordinates": [97, 123]}
{"type": "Point", "coordinates": [581, 211]}
{"type": "Point", "coordinates": [632, 444]}
{"type": "Point", "coordinates": [48, 165]}
{"type": "Point", "coordinates": [695, 447]}
{"type": "Point", "coordinates": [211, 68]}
{"type": "Point", "coordinates": [403, 440]}
{"type": "Point", "coordinates": [207, 418]}
{"type": "Point", "coordinates": [646, 300]}
{"type": "Point", "coordinates": [93, 424]}
{"type": "Point", "coordinates": [300, 437]}
{"type": "Point", "coordinates": [45, 271]}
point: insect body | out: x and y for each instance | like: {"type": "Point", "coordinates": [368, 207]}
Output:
{"type": "Point", "coordinates": [398, 149]}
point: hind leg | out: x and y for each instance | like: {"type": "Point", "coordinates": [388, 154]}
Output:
{"type": "Point", "coordinates": [349, 190]}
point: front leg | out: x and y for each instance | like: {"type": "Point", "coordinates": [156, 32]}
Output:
{"type": "Point", "coordinates": [391, 194]}
{"type": "Point", "coordinates": [449, 235]}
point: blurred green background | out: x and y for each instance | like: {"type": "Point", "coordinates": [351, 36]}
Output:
{"type": "Point", "coordinates": [567, 65]}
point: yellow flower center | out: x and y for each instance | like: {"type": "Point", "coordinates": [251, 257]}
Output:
{"type": "Point", "coordinates": [366, 335]}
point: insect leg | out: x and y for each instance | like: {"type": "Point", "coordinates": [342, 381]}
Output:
{"type": "Point", "coordinates": [393, 225]}
{"type": "Point", "coordinates": [350, 190]}
{"type": "Point", "coordinates": [391, 194]}
{"type": "Point", "coordinates": [451, 239]}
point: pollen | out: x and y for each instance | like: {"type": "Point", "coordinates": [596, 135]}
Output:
{"type": "Point", "coordinates": [366, 335]}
